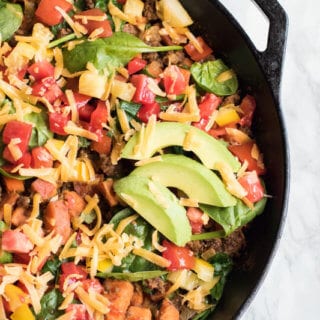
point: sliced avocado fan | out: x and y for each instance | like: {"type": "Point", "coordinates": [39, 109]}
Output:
{"type": "Point", "coordinates": [145, 143]}
{"type": "Point", "coordinates": [197, 181]}
{"type": "Point", "coordinates": [157, 205]}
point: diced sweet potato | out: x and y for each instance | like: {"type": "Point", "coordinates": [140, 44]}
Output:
{"type": "Point", "coordinates": [9, 198]}
{"type": "Point", "coordinates": [138, 313]}
{"type": "Point", "coordinates": [168, 311]}
{"type": "Point", "coordinates": [137, 298]}
{"type": "Point", "coordinates": [74, 202]}
{"type": "Point", "coordinates": [105, 187]}
{"type": "Point", "coordinates": [119, 294]}
{"type": "Point", "coordinates": [13, 185]}
{"type": "Point", "coordinates": [56, 217]}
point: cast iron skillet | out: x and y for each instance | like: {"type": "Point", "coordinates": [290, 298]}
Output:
{"type": "Point", "coordinates": [260, 71]}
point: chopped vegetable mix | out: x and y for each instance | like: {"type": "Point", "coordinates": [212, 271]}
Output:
{"type": "Point", "coordinates": [128, 169]}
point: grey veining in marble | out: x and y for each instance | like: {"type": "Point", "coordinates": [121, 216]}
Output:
{"type": "Point", "coordinates": [291, 289]}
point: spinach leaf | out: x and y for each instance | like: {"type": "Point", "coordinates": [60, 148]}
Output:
{"type": "Point", "coordinates": [49, 306]}
{"type": "Point", "coordinates": [206, 76]}
{"type": "Point", "coordinates": [131, 109]}
{"type": "Point", "coordinates": [231, 218]}
{"type": "Point", "coordinates": [11, 16]}
{"type": "Point", "coordinates": [133, 276]}
{"type": "Point", "coordinates": [222, 264]}
{"type": "Point", "coordinates": [203, 315]}
{"type": "Point", "coordinates": [9, 175]}
{"type": "Point", "coordinates": [142, 230]}
{"type": "Point", "coordinates": [110, 53]}
{"type": "Point", "coordinates": [40, 131]}
{"type": "Point", "coordinates": [52, 265]}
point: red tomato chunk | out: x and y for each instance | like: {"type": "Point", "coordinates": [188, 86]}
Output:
{"type": "Point", "coordinates": [251, 183]}
{"type": "Point", "coordinates": [41, 69]}
{"type": "Point", "coordinates": [16, 242]}
{"type": "Point", "coordinates": [180, 257]}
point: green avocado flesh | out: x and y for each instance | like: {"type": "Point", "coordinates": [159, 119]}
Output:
{"type": "Point", "coordinates": [194, 179]}
{"type": "Point", "coordinates": [208, 149]}
{"type": "Point", "coordinates": [157, 205]}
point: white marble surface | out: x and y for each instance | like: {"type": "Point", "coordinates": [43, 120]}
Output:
{"type": "Point", "coordinates": [291, 289]}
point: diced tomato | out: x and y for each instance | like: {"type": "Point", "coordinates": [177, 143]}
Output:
{"type": "Point", "coordinates": [16, 242]}
{"type": "Point", "coordinates": [47, 88]}
{"type": "Point", "coordinates": [147, 110]}
{"type": "Point", "coordinates": [195, 217]}
{"type": "Point", "coordinates": [74, 202]}
{"type": "Point", "coordinates": [41, 69]}
{"type": "Point", "coordinates": [136, 64]}
{"type": "Point", "coordinates": [98, 117]}
{"type": "Point", "coordinates": [121, 1]}
{"type": "Point", "coordinates": [175, 79]}
{"type": "Point", "coordinates": [71, 273]}
{"type": "Point", "coordinates": [72, 268]}
{"type": "Point", "coordinates": [243, 152]}
{"type": "Point", "coordinates": [57, 122]}
{"type": "Point", "coordinates": [17, 129]}
{"type": "Point", "coordinates": [7, 155]}
{"type": "Point", "coordinates": [41, 158]}
{"type": "Point", "coordinates": [25, 160]}
{"type": "Point", "coordinates": [85, 112]}
{"type": "Point", "coordinates": [45, 188]}
{"type": "Point", "coordinates": [22, 72]}
{"type": "Point", "coordinates": [48, 14]}
{"type": "Point", "coordinates": [103, 146]}
{"type": "Point", "coordinates": [92, 25]}
{"type": "Point", "coordinates": [23, 258]}
{"type": "Point", "coordinates": [248, 105]}
{"type": "Point", "coordinates": [194, 54]}
{"type": "Point", "coordinates": [252, 184]}
{"type": "Point", "coordinates": [79, 312]}
{"type": "Point", "coordinates": [92, 285]}
{"type": "Point", "coordinates": [209, 103]}
{"type": "Point", "coordinates": [143, 93]}
{"type": "Point", "coordinates": [180, 257]}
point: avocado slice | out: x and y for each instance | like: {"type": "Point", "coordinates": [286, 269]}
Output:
{"type": "Point", "coordinates": [164, 134]}
{"type": "Point", "coordinates": [194, 179]}
{"type": "Point", "coordinates": [157, 205]}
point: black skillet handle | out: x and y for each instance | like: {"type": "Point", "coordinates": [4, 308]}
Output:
{"type": "Point", "coordinates": [271, 60]}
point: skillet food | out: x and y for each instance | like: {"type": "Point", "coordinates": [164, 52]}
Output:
{"type": "Point", "coordinates": [129, 171]}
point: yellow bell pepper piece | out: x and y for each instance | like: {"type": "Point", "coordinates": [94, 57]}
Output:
{"type": "Point", "coordinates": [15, 296]}
{"type": "Point", "coordinates": [204, 270]}
{"type": "Point", "coordinates": [105, 265]}
{"type": "Point", "coordinates": [226, 116]}
{"type": "Point", "coordinates": [22, 313]}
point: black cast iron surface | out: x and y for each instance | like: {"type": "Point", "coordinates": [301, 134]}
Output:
{"type": "Point", "coordinates": [259, 74]}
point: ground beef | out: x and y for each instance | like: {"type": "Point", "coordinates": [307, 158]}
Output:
{"type": "Point", "coordinates": [151, 36]}
{"type": "Point", "coordinates": [152, 56]}
{"type": "Point", "coordinates": [157, 287]}
{"type": "Point", "coordinates": [23, 202]}
{"type": "Point", "coordinates": [174, 57]}
{"type": "Point", "coordinates": [28, 17]}
{"type": "Point", "coordinates": [129, 28]}
{"type": "Point", "coordinates": [231, 245]}
{"type": "Point", "coordinates": [89, 4]}
{"type": "Point", "coordinates": [233, 99]}
{"type": "Point", "coordinates": [149, 10]}
{"type": "Point", "coordinates": [109, 169]}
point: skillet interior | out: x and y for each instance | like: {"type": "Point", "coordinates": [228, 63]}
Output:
{"type": "Point", "coordinates": [232, 44]}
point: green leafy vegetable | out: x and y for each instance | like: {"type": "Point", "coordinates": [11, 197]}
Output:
{"type": "Point", "coordinates": [49, 306]}
{"type": "Point", "coordinates": [40, 131]}
{"type": "Point", "coordinates": [206, 76]}
{"type": "Point", "coordinates": [133, 276]}
{"type": "Point", "coordinates": [52, 266]}
{"type": "Point", "coordinates": [131, 109]}
{"type": "Point", "coordinates": [222, 266]}
{"type": "Point", "coordinates": [143, 231]}
{"type": "Point", "coordinates": [9, 175]}
{"type": "Point", "coordinates": [11, 16]}
{"type": "Point", "coordinates": [110, 53]}
{"type": "Point", "coordinates": [231, 218]}
{"type": "Point", "coordinates": [5, 257]}
{"type": "Point", "coordinates": [3, 226]}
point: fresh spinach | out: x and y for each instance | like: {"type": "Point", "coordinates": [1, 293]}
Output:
{"type": "Point", "coordinates": [40, 131]}
{"type": "Point", "coordinates": [11, 16]}
{"type": "Point", "coordinates": [231, 218]}
{"type": "Point", "coordinates": [110, 53]}
{"type": "Point", "coordinates": [5, 257]}
{"type": "Point", "coordinates": [206, 76]}
{"type": "Point", "coordinates": [9, 175]}
{"type": "Point", "coordinates": [52, 266]}
{"type": "Point", "coordinates": [222, 264]}
{"type": "Point", "coordinates": [49, 306]}
{"type": "Point", "coordinates": [133, 276]}
{"type": "Point", "coordinates": [142, 230]}
{"type": "Point", "coordinates": [131, 109]}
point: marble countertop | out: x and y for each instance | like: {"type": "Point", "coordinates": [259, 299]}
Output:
{"type": "Point", "coordinates": [291, 288]}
